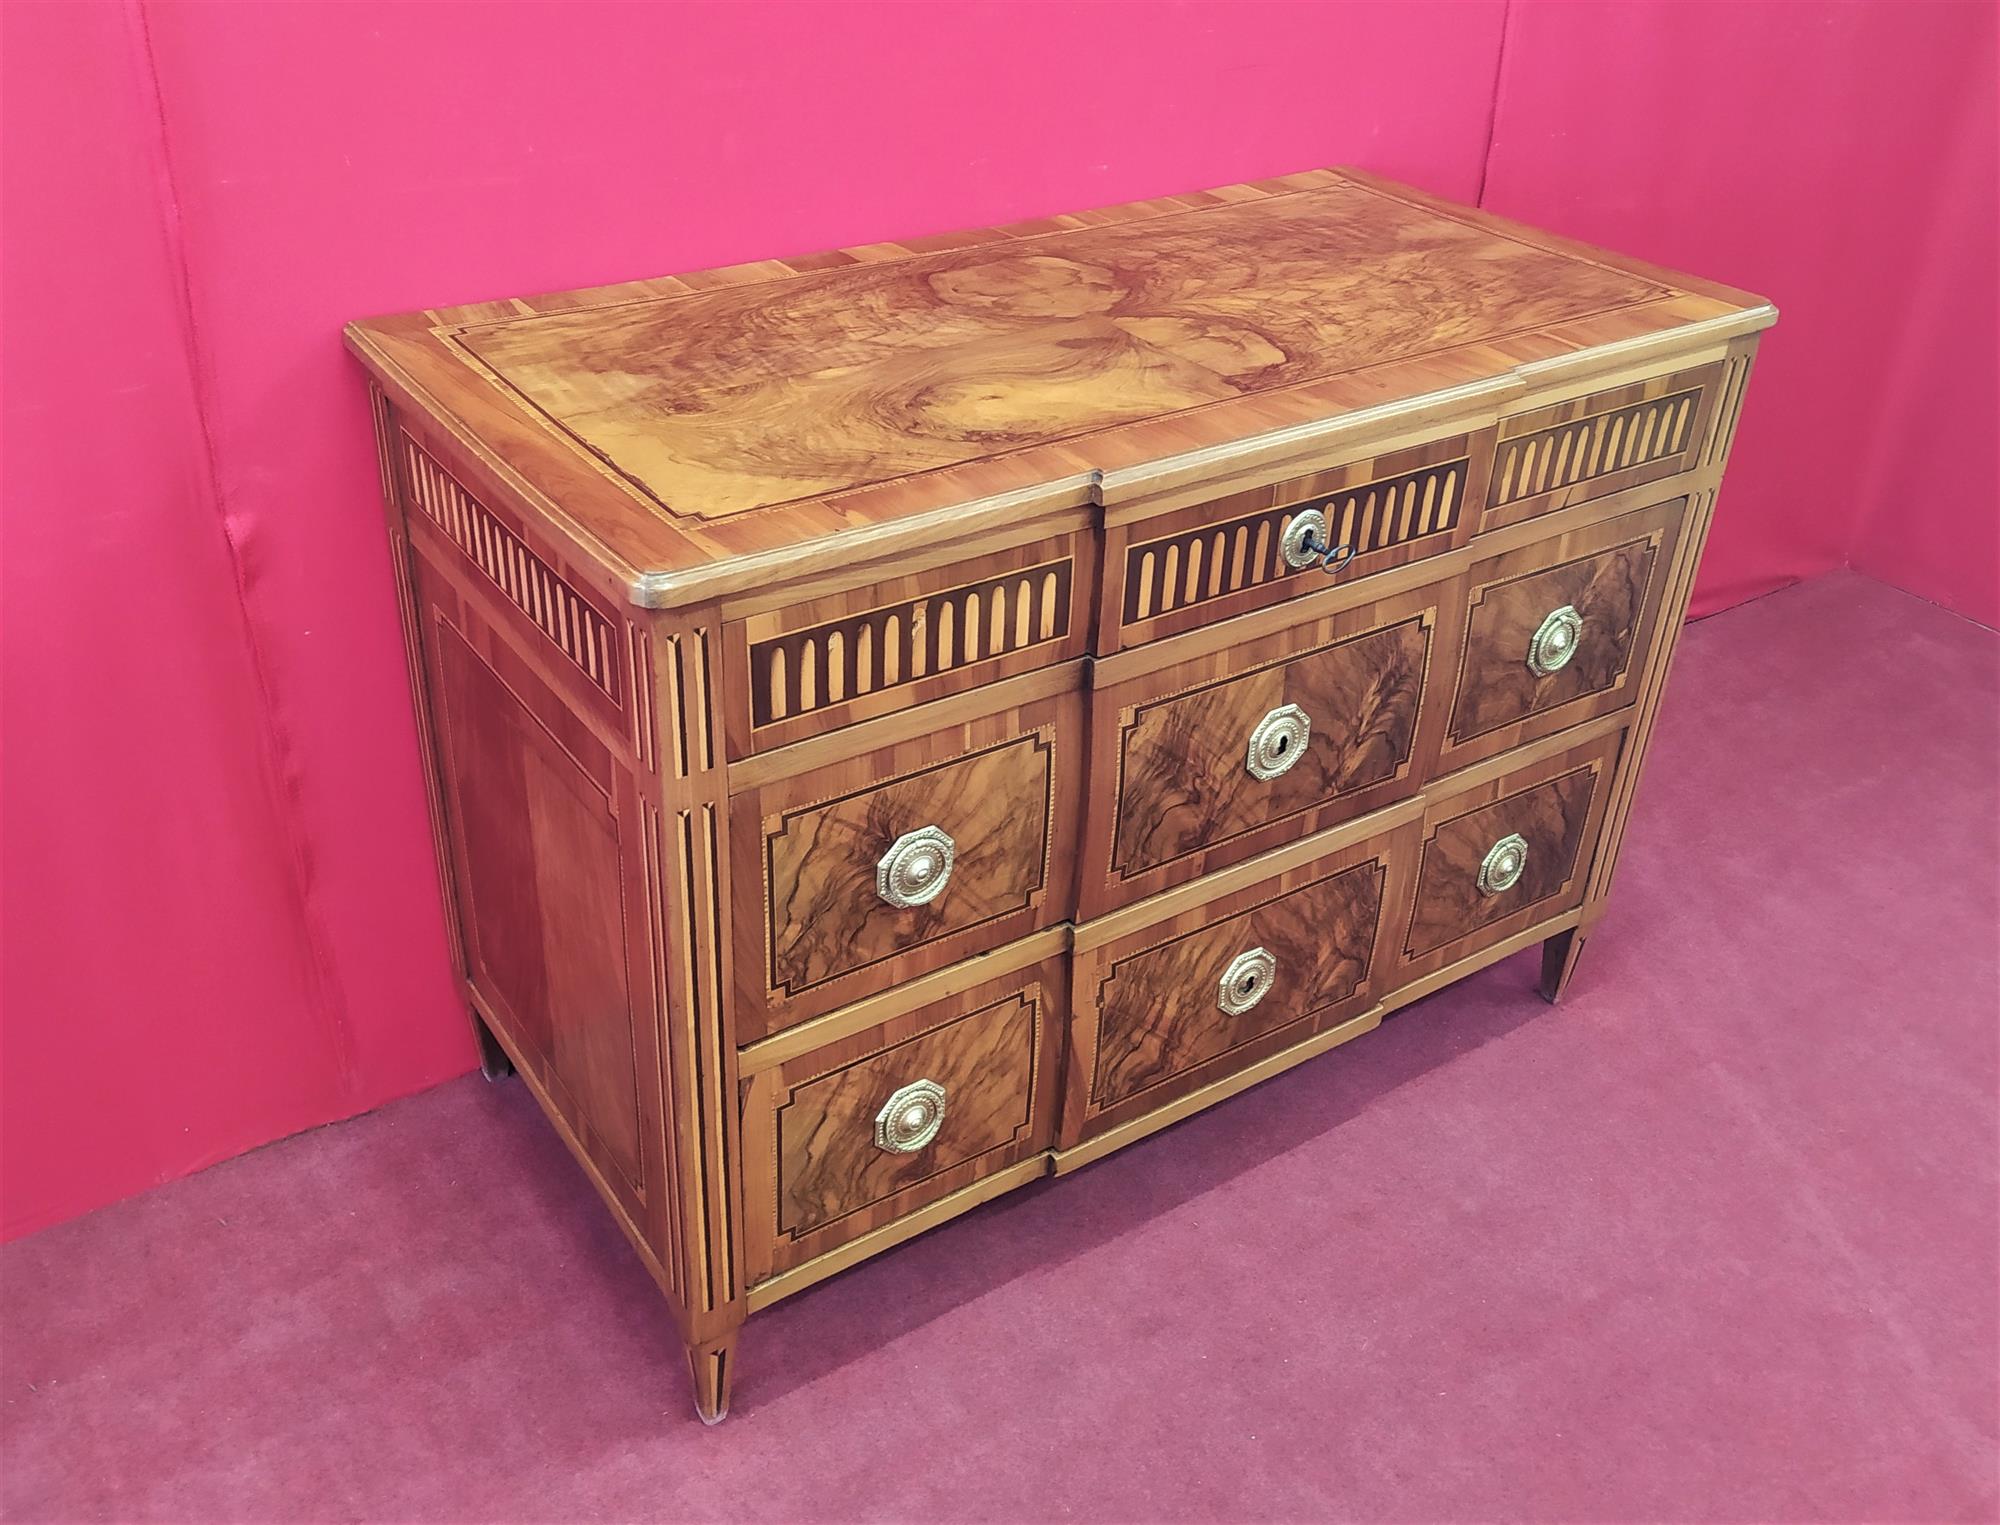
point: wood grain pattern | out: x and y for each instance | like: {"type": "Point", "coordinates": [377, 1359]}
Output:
{"type": "Point", "coordinates": [1170, 794]}
{"type": "Point", "coordinates": [817, 1178]}
{"type": "Point", "coordinates": [1148, 1026]}
{"type": "Point", "coordinates": [567, 618]}
{"type": "Point", "coordinates": [829, 1163]}
{"type": "Point", "coordinates": [682, 427]}
{"type": "Point", "coordinates": [1549, 817]}
{"type": "Point", "coordinates": [1184, 781]}
{"type": "Point", "coordinates": [1002, 787]}
{"type": "Point", "coordinates": [687, 899]}
{"type": "Point", "coordinates": [1496, 685]}
{"type": "Point", "coordinates": [1613, 574]}
{"type": "Point", "coordinates": [543, 866]}
{"type": "Point", "coordinates": [542, 916]}
{"type": "Point", "coordinates": [823, 914]}
{"type": "Point", "coordinates": [537, 795]}
{"type": "Point", "coordinates": [413, 620]}
{"type": "Point", "coordinates": [722, 402]}
{"type": "Point", "coordinates": [1158, 1012]}
{"type": "Point", "coordinates": [1555, 807]}
{"type": "Point", "coordinates": [1561, 956]}
{"type": "Point", "coordinates": [1197, 566]}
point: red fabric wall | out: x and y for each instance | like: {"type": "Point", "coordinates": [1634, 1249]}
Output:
{"type": "Point", "coordinates": [1840, 160]}
{"type": "Point", "coordinates": [220, 920]}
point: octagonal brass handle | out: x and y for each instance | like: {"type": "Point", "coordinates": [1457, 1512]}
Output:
{"type": "Point", "coordinates": [1555, 641]}
{"type": "Point", "coordinates": [916, 868]}
{"type": "Point", "coordinates": [910, 1118]}
{"type": "Point", "coordinates": [1505, 861]}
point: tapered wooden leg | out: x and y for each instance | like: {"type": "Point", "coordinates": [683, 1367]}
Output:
{"type": "Point", "coordinates": [711, 1367]}
{"type": "Point", "coordinates": [1559, 956]}
{"type": "Point", "coordinates": [493, 1061]}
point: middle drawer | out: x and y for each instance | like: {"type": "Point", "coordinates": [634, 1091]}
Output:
{"type": "Point", "coordinates": [1265, 739]}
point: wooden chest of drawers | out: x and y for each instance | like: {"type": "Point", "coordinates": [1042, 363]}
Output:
{"type": "Point", "coordinates": [904, 721]}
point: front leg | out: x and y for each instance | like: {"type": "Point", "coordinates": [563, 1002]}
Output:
{"type": "Point", "coordinates": [1559, 956]}
{"type": "Point", "coordinates": [711, 1367]}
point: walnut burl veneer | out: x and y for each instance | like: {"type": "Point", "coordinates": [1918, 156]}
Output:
{"type": "Point", "coordinates": [907, 720]}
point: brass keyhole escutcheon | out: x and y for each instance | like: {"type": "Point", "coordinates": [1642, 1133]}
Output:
{"type": "Point", "coordinates": [1278, 741]}
{"type": "Point", "coordinates": [1246, 981]}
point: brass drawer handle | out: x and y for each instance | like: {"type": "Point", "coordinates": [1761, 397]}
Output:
{"type": "Point", "coordinates": [1278, 742]}
{"type": "Point", "coordinates": [1306, 541]}
{"type": "Point", "coordinates": [1555, 642]}
{"type": "Point", "coordinates": [1246, 981]}
{"type": "Point", "coordinates": [1505, 861]}
{"type": "Point", "coordinates": [910, 1118]}
{"type": "Point", "coordinates": [916, 868]}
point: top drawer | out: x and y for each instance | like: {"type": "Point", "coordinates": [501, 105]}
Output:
{"type": "Point", "coordinates": [1591, 447]}
{"type": "Point", "coordinates": [817, 657]}
{"type": "Point", "coordinates": [1173, 571]}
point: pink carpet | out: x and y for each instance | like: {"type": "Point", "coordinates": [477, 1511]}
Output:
{"type": "Point", "coordinates": [1716, 1239]}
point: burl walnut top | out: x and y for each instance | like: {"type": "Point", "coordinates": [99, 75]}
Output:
{"type": "Point", "coordinates": [683, 421]}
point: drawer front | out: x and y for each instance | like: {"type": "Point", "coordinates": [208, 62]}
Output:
{"type": "Point", "coordinates": [1593, 446]}
{"type": "Point", "coordinates": [1559, 632]}
{"type": "Point", "coordinates": [1496, 860]}
{"type": "Point", "coordinates": [867, 1130]}
{"type": "Point", "coordinates": [1190, 999]}
{"type": "Point", "coordinates": [822, 662]}
{"type": "Point", "coordinates": [1204, 762]}
{"type": "Point", "coordinates": [1174, 571]}
{"type": "Point", "coordinates": [856, 875]}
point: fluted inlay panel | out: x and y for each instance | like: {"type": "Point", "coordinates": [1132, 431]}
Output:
{"type": "Point", "coordinates": [1594, 446]}
{"type": "Point", "coordinates": [1215, 560]}
{"type": "Point", "coordinates": [530, 584]}
{"type": "Point", "coordinates": [900, 643]}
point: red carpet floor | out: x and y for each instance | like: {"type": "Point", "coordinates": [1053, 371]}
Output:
{"type": "Point", "coordinates": [1716, 1239]}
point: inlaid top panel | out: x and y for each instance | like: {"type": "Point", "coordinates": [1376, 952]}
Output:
{"type": "Point", "coordinates": [692, 419]}
{"type": "Point", "coordinates": [724, 401]}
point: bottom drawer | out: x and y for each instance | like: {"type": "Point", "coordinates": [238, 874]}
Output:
{"type": "Point", "coordinates": [870, 1127]}
{"type": "Point", "coordinates": [1497, 859]}
{"type": "Point", "coordinates": [1211, 983]}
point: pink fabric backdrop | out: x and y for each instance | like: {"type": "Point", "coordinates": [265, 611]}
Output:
{"type": "Point", "coordinates": [1840, 160]}
{"type": "Point", "coordinates": [221, 921]}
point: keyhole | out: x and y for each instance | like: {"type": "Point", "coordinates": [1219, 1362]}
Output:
{"type": "Point", "coordinates": [1283, 742]}
{"type": "Point", "coordinates": [1249, 983]}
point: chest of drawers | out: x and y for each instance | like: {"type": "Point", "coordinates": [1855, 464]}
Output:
{"type": "Point", "coordinates": [904, 721]}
